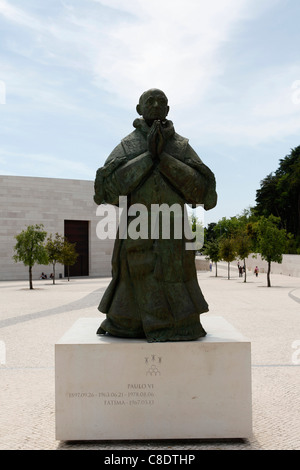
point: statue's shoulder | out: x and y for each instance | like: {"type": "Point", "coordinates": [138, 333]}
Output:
{"type": "Point", "coordinates": [134, 144]}
{"type": "Point", "coordinates": [116, 158]}
{"type": "Point", "coordinates": [117, 153]}
{"type": "Point", "coordinates": [180, 140]}
{"type": "Point", "coordinates": [177, 146]}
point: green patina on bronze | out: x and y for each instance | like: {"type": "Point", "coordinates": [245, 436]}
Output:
{"type": "Point", "coordinates": [154, 291]}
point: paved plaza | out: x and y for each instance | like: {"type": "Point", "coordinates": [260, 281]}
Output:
{"type": "Point", "coordinates": [31, 322]}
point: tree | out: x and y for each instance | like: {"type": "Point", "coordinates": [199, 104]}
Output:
{"type": "Point", "coordinates": [243, 245]}
{"type": "Point", "coordinates": [227, 228]}
{"type": "Point", "coordinates": [227, 251]}
{"type": "Point", "coordinates": [69, 255]}
{"type": "Point", "coordinates": [212, 252]}
{"type": "Point", "coordinates": [271, 241]}
{"type": "Point", "coordinates": [279, 194]}
{"type": "Point", "coordinates": [209, 233]}
{"type": "Point", "coordinates": [30, 248]}
{"type": "Point", "coordinates": [54, 248]}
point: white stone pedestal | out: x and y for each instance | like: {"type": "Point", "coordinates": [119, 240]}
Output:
{"type": "Point", "coordinates": [109, 388]}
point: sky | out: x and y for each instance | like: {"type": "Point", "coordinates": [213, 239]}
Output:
{"type": "Point", "coordinates": [72, 71]}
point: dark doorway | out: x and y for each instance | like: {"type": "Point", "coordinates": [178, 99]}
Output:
{"type": "Point", "coordinates": [77, 231]}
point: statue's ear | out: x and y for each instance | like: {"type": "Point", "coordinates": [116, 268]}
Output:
{"type": "Point", "coordinates": [168, 108]}
{"type": "Point", "coordinates": [138, 109]}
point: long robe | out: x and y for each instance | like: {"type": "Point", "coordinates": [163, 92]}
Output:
{"type": "Point", "coordinates": [154, 291]}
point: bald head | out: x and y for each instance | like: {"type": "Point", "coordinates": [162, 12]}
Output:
{"type": "Point", "coordinates": [151, 92]}
{"type": "Point", "coordinates": [153, 105]}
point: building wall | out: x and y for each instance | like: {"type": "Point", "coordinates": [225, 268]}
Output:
{"type": "Point", "coordinates": [202, 264]}
{"type": "Point", "coordinates": [28, 200]}
{"type": "Point", "coordinates": [290, 265]}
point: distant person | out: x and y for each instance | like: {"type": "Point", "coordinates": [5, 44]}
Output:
{"type": "Point", "coordinates": [240, 271]}
{"type": "Point", "coordinates": [256, 271]}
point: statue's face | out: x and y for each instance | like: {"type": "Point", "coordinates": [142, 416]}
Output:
{"type": "Point", "coordinates": [153, 105]}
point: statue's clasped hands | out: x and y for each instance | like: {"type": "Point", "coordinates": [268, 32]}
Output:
{"type": "Point", "coordinates": [156, 139]}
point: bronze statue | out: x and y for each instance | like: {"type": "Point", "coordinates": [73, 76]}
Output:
{"type": "Point", "coordinates": [154, 291]}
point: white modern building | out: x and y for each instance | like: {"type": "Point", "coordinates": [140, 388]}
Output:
{"type": "Point", "coordinates": [63, 206]}
{"type": "Point", "coordinates": [67, 207]}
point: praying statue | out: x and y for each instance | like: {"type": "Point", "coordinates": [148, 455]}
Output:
{"type": "Point", "coordinates": [154, 291]}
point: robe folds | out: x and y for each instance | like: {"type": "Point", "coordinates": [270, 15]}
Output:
{"type": "Point", "coordinates": [154, 291]}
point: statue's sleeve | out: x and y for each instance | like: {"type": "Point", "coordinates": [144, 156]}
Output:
{"type": "Point", "coordinates": [194, 180]}
{"type": "Point", "coordinates": [120, 176]}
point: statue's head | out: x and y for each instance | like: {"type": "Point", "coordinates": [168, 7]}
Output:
{"type": "Point", "coordinates": [153, 105]}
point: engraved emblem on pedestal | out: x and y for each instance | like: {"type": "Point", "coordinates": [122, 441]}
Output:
{"type": "Point", "coordinates": [153, 363]}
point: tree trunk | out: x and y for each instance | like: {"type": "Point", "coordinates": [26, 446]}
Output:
{"type": "Point", "coordinates": [245, 277]}
{"type": "Point", "coordinates": [268, 275]}
{"type": "Point", "coordinates": [30, 278]}
{"type": "Point", "coordinates": [216, 270]}
{"type": "Point", "coordinates": [53, 273]}
{"type": "Point", "coordinates": [68, 273]}
{"type": "Point", "coordinates": [228, 270]}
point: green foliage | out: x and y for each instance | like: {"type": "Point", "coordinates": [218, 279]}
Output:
{"type": "Point", "coordinates": [68, 254]}
{"type": "Point", "coordinates": [227, 251]}
{"type": "Point", "coordinates": [212, 251]}
{"type": "Point", "coordinates": [60, 250]}
{"type": "Point", "coordinates": [272, 227]}
{"type": "Point", "coordinates": [293, 244]}
{"type": "Point", "coordinates": [244, 246]}
{"type": "Point", "coordinates": [209, 233]}
{"type": "Point", "coordinates": [279, 194]}
{"type": "Point", "coordinates": [227, 228]}
{"type": "Point", "coordinates": [30, 248]}
{"type": "Point", "coordinates": [272, 241]}
{"type": "Point", "coordinates": [54, 248]}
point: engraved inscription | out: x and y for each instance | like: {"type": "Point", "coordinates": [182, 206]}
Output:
{"type": "Point", "coordinates": [136, 394]}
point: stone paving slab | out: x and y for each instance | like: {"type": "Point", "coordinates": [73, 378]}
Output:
{"type": "Point", "coordinates": [31, 322]}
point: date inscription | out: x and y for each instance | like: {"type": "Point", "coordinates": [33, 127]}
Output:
{"type": "Point", "coordinates": [137, 394]}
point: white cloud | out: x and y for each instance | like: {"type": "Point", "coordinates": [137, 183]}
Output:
{"type": "Point", "coordinates": [44, 165]}
{"type": "Point", "coordinates": [170, 44]}
{"type": "Point", "coordinates": [266, 108]}
{"type": "Point", "coordinates": [18, 15]}
{"type": "Point", "coordinates": [127, 47]}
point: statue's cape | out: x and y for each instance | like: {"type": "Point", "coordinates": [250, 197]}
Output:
{"type": "Point", "coordinates": [130, 147]}
{"type": "Point", "coordinates": [136, 143]}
